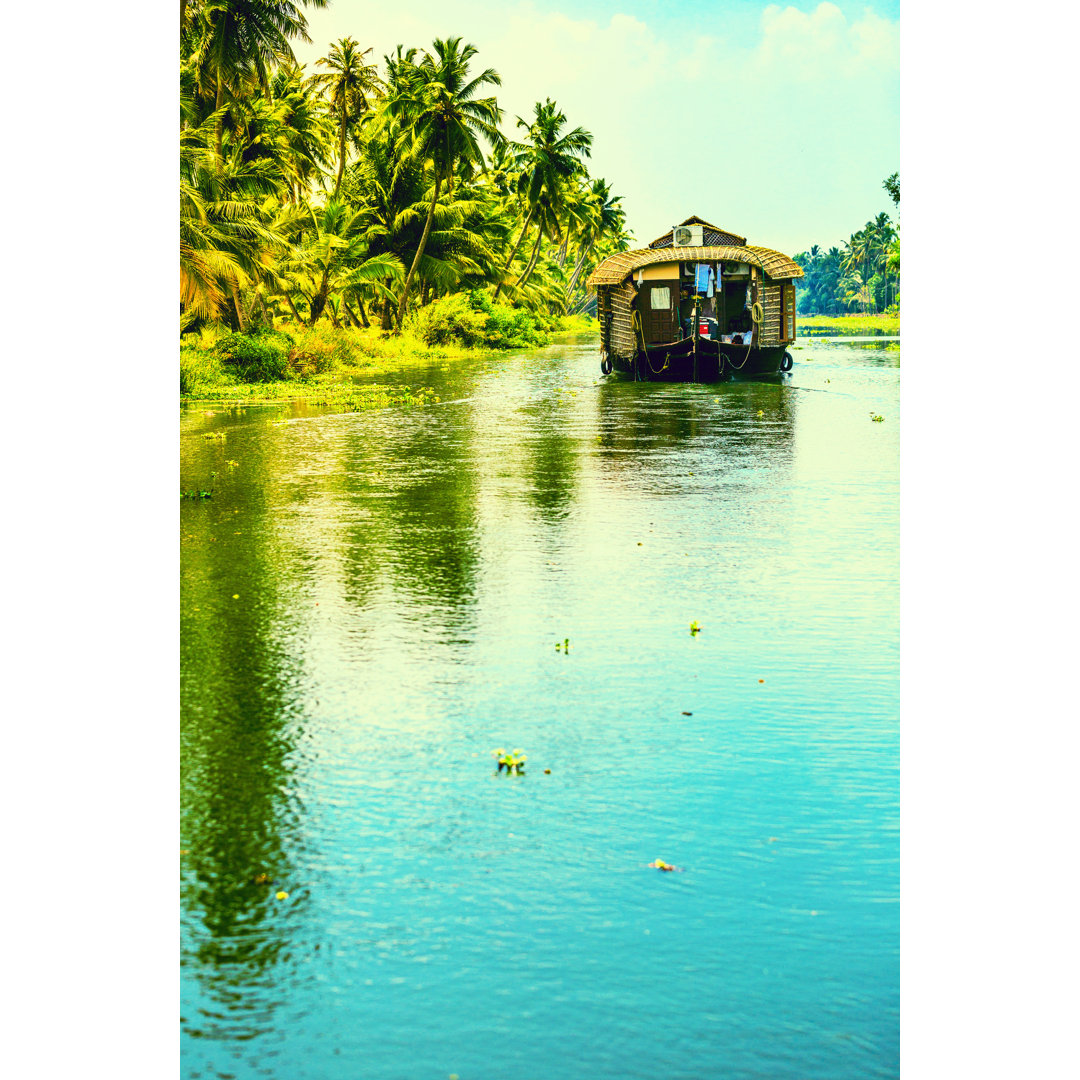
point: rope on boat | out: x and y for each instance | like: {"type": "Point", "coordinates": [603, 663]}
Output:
{"type": "Point", "coordinates": [639, 334]}
{"type": "Point", "coordinates": [757, 316]}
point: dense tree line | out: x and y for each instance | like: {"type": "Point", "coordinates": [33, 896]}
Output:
{"type": "Point", "coordinates": [863, 275]}
{"type": "Point", "coordinates": [361, 191]}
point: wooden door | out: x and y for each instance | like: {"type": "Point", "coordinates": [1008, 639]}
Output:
{"type": "Point", "coordinates": [787, 335]}
{"type": "Point", "coordinates": [658, 302]}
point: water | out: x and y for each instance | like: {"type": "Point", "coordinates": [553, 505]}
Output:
{"type": "Point", "coordinates": [371, 603]}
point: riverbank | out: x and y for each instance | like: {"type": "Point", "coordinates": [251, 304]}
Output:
{"type": "Point", "coordinates": [320, 365]}
{"type": "Point", "coordinates": [888, 325]}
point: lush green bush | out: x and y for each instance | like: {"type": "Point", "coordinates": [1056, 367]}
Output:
{"type": "Point", "coordinates": [451, 319]}
{"type": "Point", "coordinates": [319, 349]}
{"type": "Point", "coordinates": [472, 320]}
{"type": "Point", "coordinates": [260, 357]}
{"type": "Point", "coordinates": [199, 370]}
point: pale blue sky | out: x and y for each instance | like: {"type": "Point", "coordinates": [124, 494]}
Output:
{"type": "Point", "coordinates": [777, 121]}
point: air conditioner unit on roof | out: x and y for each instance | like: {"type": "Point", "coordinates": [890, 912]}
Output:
{"type": "Point", "coordinates": [688, 235]}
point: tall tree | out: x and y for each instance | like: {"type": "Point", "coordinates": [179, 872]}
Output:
{"type": "Point", "coordinates": [237, 41]}
{"type": "Point", "coordinates": [444, 120]}
{"type": "Point", "coordinates": [547, 160]}
{"type": "Point", "coordinates": [350, 84]}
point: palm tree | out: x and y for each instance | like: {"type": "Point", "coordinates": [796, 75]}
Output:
{"type": "Point", "coordinates": [882, 234]}
{"type": "Point", "coordinates": [330, 252]}
{"type": "Point", "coordinates": [236, 41]}
{"type": "Point", "coordinates": [546, 161]}
{"type": "Point", "coordinates": [444, 120]}
{"type": "Point", "coordinates": [290, 129]}
{"type": "Point", "coordinates": [604, 218]}
{"type": "Point", "coordinates": [351, 84]}
{"type": "Point", "coordinates": [225, 237]}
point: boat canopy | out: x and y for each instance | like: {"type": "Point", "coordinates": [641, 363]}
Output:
{"type": "Point", "coordinates": [616, 268]}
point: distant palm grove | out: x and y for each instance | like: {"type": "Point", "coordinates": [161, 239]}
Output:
{"type": "Point", "coordinates": [361, 193]}
{"type": "Point", "coordinates": [861, 276]}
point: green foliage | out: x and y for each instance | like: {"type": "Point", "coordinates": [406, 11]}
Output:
{"type": "Point", "coordinates": [474, 320]}
{"type": "Point", "coordinates": [892, 185]}
{"type": "Point", "coordinates": [346, 198]}
{"type": "Point", "coordinates": [513, 762]}
{"type": "Point", "coordinates": [260, 357]}
{"type": "Point", "coordinates": [318, 350]}
{"type": "Point", "coordinates": [863, 274]}
{"type": "Point", "coordinates": [200, 370]}
{"type": "Point", "coordinates": [577, 324]}
{"type": "Point", "coordinates": [449, 319]}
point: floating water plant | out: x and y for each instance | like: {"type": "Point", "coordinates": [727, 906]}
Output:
{"type": "Point", "coordinates": [562, 646]}
{"type": "Point", "coordinates": [513, 763]}
{"type": "Point", "coordinates": [196, 494]}
{"type": "Point", "coordinates": [232, 464]}
{"type": "Point", "coordinates": [695, 628]}
{"type": "Point", "coordinates": [215, 435]}
{"type": "Point", "coordinates": [877, 419]}
{"type": "Point", "coordinates": [659, 864]}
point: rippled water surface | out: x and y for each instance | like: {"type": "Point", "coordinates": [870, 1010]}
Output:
{"type": "Point", "coordinates": [371, 603]}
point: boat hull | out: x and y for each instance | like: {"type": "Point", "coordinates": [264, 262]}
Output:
{"type": "Point", "coordinates": [700, 360]}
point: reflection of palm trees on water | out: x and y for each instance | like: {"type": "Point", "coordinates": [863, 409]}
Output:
{"type": "Point", "coordinates": [240, 824]}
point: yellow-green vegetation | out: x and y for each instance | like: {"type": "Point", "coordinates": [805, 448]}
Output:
{"type": "Point", "coordinates": [310, 363]}
{"type": "Point", "coordinates": [852, 324]}
{"type": "Point", "coordinates": [376, 212]}
{"type": "Point", "coordinates": [513, 762]}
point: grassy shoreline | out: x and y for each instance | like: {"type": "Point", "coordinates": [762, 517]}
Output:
{"type": "Point", "coordinates": [852, 324]}
{"type": "Point", "coordinates": [318, 367]}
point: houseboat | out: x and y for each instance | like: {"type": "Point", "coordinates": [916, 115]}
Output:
{"type": "Point", "coordinates": [697, 305]}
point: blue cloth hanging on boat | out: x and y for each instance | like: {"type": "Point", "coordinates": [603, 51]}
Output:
{"type": "Point", "coordinates": [719, 282]}
{"type": "Point", "coordinates": [701, 277]}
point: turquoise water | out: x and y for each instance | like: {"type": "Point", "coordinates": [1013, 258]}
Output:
{"type": "Point", "coordinates": [370, 606]}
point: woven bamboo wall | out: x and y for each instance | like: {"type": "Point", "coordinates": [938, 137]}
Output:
{"type": "Point", "coordinates": [622, 341]}
{"type": "Point", "coordinates": [770, 307]}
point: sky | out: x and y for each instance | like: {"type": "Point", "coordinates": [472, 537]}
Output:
{"type": "Point", "coordinates": [778, 122]}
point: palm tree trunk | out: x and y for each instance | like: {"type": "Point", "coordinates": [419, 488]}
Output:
{"type": "Point", "coordinates": [585, 251]}
{"type": "Point", "coordinates": [387, 323]}
{"type": "Point", "coordinates": [341, 157]}
{"type": "Point", "coordinates": [509, 262]}
{"type": "Point", "coordinates": [419, 253]}
{"type": "Point", "coordinates": [532, 259]}
{"type": "Point", "coordinates": [220, 123]}
{"type": "Point", "coordinates": [363, 320]}
{"type": "Point", "coordinates": [318, 302]}
{"type": "Point", "coordinates": [292, 308]}
{"type": "Point", "coordinates": [237, 304]}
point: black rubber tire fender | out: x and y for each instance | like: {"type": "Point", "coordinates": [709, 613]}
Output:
{"type": "Point", "coordinates": [786, 362]}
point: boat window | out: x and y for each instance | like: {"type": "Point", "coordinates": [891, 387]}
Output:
{"type": "Point", "coordinates": [660, 297]}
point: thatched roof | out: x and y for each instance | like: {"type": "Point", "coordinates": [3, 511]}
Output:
{"type": "Point", "coordinates": [615, 268]}
{"type": "Point", "coordinates": [712, 234]}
